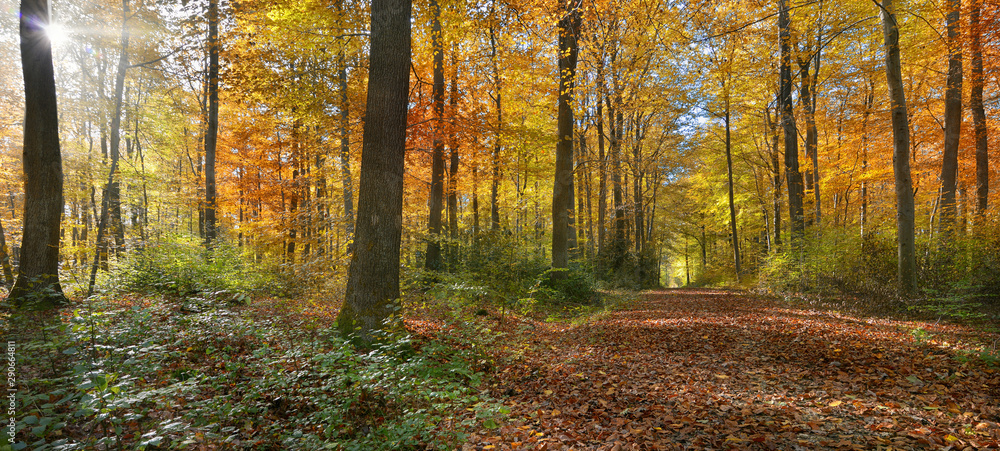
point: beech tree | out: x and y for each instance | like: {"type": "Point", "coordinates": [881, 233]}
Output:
{"type": "Point", "coordinates": [562, 188]}
{"type": "Point", "coordinates": [372, 291]}
{"type": "Point", "coordinates": [38, 275]}
{"type": "Point", "coordinates": [906, 248]}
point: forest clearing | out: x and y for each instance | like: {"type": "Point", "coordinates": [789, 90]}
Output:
{"type": "Point", "coordinates": [510, 224]}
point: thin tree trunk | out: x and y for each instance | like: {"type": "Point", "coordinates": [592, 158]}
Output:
{"type": "Point", "coordinates": [453, 166]}
{"type": "Point", "coordinates": [433, 261]}
{"type": "Point", "coordinates": [495, 164]}
{"type": "Point", "coordinates": [732, 203]}
{"type": "Point", "coordinates": [345, 150]}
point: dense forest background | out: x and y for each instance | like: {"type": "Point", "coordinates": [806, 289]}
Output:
{"type": "Point", "coordinates": [679, 168]}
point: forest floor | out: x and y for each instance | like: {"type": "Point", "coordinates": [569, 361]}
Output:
{"type": "Point", "coordinates": [715, 369]}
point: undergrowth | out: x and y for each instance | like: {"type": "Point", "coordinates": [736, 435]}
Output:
{"type": "Point", "coordinates": [149, 375]}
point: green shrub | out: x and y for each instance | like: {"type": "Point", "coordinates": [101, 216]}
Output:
{"type": "Point", "coordinates": [183, 267]}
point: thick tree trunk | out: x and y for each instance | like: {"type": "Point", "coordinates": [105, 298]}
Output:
{"type": "Point", "coordinates": [906, 250]}
{"type": "Point", "coordinates": [38, 275]}
{"type": "Point", "coordinates": [212, 127]}
{"type": "Point", "coordinates": [978, 111]}
{"type": "Point", "coordinates": [562, 188]}
{"type": "Point", "coordinates": [433, 256]}
{"type": "Point", "coordinates": [952, 121]}
{"type": "Point", "coordinates": [372, 290]}
{"type": "Point", "coordinates": [792, 175]}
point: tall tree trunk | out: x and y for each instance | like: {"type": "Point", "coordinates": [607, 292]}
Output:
{"type": "Point", "coordinates": [38, 275]}
{"type": "Point", "coordinates": [792, 176]}
{"type": "Point", "coordinates": [372, 290]}
{"type": "Point", "coordinates": [906, 249]}
{"type": "Point", "coordinates": [495, 163]}
{"type": "Point", "coordinates": [807, 95]}
{"type": "Point", "coordinates": [869, 103]}
{"type": "Point", "coordinates": [732, 203]}
{"type": "Point", "coordinates": [978, 111]}
{"type": "Point", "coordinates": [562, 187]}
{"type": "Point", "coordinates": [345, 149]}
{"type": "Point", "coordinates": [453, 166]}
{"type": "Point", "coordinates": [212, 127]}
{"type": "Point", "coordinates": [772, 127]}
{"type": "Point", "coordinates": [952, 121]}
{"type": "Point", "coordinates": [433, 261]}
{"type": "Point", "coordinates": [602, 168]}
{"type": "Point", "coordinates": [113, 191]}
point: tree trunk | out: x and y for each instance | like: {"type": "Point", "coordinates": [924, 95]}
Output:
{"type": "Point", "coordinates": [453, 166]}
{"type": "Point", "coordinates": [372, 290]}
{"type": "Point", "coordinates": [8, 272]}
{"type": "Point", "coordinates": [732, 203]}
{"type": "Point", "coordinates": [952, 121]}
{"type": "Point", "coordinates": [906, 250]}
{"type": "Point", "coordinates": [562, 187]}
{"type": "Point", "coordinates": [38, 275]}
{"type": "Point", "coordinates": [978, 111]}
{"type": "Point", "coordinates": [345, 150]}
{"type": "Point", "coordinates": [495, 164]}
{"type": "Point", "coordinates": [792, 176]}
{"type": "Point", "coordinates": [212, 127]}
{"type": "Point", "coordinates": [772, 127]}
{"type": "Point", "coordinates": [602, 171]}
{"type": "Point", "coordinates": [433, 256]}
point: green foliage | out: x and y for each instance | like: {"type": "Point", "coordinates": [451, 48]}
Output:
{"type": "Point", "coordinates": [183, 267]}
{"type": "Point", "coordinates": [155, 377]}
{"type": "Point", "coordinates": [836, 262]}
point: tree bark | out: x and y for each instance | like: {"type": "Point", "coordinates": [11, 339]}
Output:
{"type": "Point", "coordinates": [952, 121]}
{"type": "Point", "coordinates": [212, 127]}
{"type": "Point", "coordinates": [345, 150]}
{"type": "Point", "coordinates": [978, 110]}
{"type": "Point", "coordinates": [372, 290]}
{"type": "Point", "coordinates": [38, 275]}
{"type": "Point", "coordinates": [792, 175]}
{"type": "Point", "coordinates": [906, 249]}
{"type": "Point", "coordinates": [562, 187]}
{"type": "Point", "coordinates": [732, 203]}
{"type": "Point", "coordinates": [433, 257]}
{"type": "Point", "coordinates": [495, 163]}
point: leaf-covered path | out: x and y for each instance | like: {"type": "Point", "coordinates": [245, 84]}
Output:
{"type": "Point", "coordinates": [708, 369]}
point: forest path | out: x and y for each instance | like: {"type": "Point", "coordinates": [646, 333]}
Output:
{"type": "Point", "coordinates": [715, 369]}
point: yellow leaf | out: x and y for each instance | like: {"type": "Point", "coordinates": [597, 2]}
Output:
{"type": "Point", "coordinates": [548, 392]}
{"type": "Point", "coordinates": [835, 403]}
{"type": "Point", "coordinates": [950, 438]}
{"type": "Point", "coordinates": [722, 376]}
{"type": "Point", "coordinates": [489, 447]}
